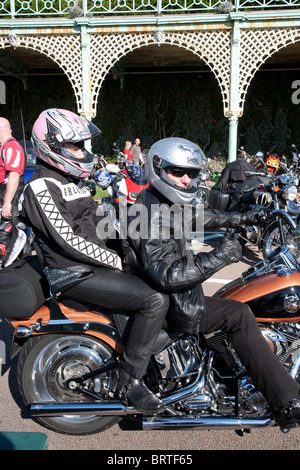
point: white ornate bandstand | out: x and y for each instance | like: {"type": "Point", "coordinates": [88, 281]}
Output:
{"type": "Point", "coordinates": [234, 40]}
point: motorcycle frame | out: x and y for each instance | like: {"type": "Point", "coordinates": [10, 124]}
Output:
{"type": "Point", "coordinates": [58, 318]}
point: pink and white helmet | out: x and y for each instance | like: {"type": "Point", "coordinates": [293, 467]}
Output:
{"type": "Point", "coordinates": [53, 129]}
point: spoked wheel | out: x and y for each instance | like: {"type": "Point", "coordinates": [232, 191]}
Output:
{"type": "Point", "coordinates": [202, 196]}
{"type": "Point", "coordinates": [271, 240]}
{"type": "Point", "coordinates": [46, 365]}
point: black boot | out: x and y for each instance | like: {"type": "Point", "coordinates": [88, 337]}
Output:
{"type": "Point", "coordinates": [287, 417]}
{"type": "Point", "coordinates": [134, 392]}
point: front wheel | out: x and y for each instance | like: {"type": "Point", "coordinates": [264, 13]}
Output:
{"type": "Point", "coordinates": [45, 367]}
{"type": "Point", "coordinates": [202, 196]}
{"type": "Point", "coordinates": [271, 240]}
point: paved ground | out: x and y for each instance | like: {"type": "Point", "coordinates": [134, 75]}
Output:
{"type": "Point", "coordinates": [14, 416]}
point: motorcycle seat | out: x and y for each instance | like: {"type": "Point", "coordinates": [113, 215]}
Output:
{"type": "Point", "coordinates": [123, 321]}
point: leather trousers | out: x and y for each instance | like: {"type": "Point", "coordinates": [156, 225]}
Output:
{"type": "Point", "coordinates": [118, 290]}
{"type": "Point", "coordinates": [262, 365]}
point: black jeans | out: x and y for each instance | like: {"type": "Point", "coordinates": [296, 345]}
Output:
{"type": "Point", "coordinates": [114, 289]}
{"type": "Point", "coordinates": [262, 365]}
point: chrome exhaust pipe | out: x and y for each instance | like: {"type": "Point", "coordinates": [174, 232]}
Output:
{"type": "Point", "coordinates": [90, 408]}
{"type": "Point", "coordinates": [205, 422]}
{"type": "Point", "coordinates": [104, 408]}
{"type": "Point", "coordinates": [171, 422]}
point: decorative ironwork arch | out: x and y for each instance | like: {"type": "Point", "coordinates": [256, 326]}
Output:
{"type": "Point", "coordinates": [64, 50]}
{"type": "Point", "coordinates": [213, 47]}
{"type": "Point", "coordinates": [233, 51]}
{"type": "Point", "coordinates": [105, 50]}
{"type": "Point", "coordinates": [256, 46]}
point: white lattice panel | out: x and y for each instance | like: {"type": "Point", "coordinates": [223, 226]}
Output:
{"type": "Point", "coordinates": [63, 49]}
{"type": "Point", "coordinates": [211, 46]}
{"type": "Point", "coordinates": [256, 45]}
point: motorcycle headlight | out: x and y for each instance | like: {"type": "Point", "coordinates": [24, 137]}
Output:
{"type": "Point", "coordinates": [133, 195]}
{"type": "Point", "coordinates": [290, 193]}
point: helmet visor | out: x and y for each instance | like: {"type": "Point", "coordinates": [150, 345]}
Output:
{"type": "Point", "coordinates": [76, 152]}
{"type": "Point", "coordinates": [183, 179]}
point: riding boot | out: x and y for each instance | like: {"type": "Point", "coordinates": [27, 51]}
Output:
{"type": "Point", "coordinates": [287, 417]}
{"type": "Point", "coordinates": [132, 391]}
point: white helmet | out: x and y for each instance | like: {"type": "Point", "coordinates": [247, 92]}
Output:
{"type": "Point", "coordinates": [174, 153]}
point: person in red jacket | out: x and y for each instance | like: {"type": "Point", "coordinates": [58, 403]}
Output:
{"type": "Point", "coordinates": [127, 151]}
{"type": "Point", "coordinates": [12, 167]}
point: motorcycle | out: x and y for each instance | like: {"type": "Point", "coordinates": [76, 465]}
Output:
{"type": "Point", "coordinates": [123, 181]}
{"type": "Point", "coordinates": [89, 182]}
{"type": "Point", "coordinates": [281, 195]}
{"type": "Point", "coordinates": [263, 190]}
{"type": "Point", "coordinates": [68, 359]}
{"type": "Point", "coordinates": [206, 176]}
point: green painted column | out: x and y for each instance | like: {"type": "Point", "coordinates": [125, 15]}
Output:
{"type": "Point", "coordinates": [86, 77]}
{"type": "Point", "coordinates": [234, 108]}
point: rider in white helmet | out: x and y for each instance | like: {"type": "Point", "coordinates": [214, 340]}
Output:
{"type": "Point", "coordinates": [173, 166]}
{"type": "Point", "coordinates": [175, 156]}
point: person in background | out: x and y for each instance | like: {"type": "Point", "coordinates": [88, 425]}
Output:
{"type": "Point", "coordinates": [127, 150]}
{"type": "Point", "coordinates": [235, 173]}
{"type": "Point", "coordinates": [136, 152]}
{"type": "Point", "coordinates": [12, 168]}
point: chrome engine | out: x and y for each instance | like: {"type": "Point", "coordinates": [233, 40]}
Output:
{"type": "Point", "coordinates": [284, 341]}
{"type": "Point", "coordinates": [202, 384]}
{"type": "Point", "coordinates": [209, 377]}
{"type": "Point", "coordinates": [180, 359]}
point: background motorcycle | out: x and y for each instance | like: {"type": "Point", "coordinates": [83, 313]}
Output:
{"type": "Point", "coordinates": [207, 175]}
{"type": "Point", "coordinates": [281, 195]}
{"type": "Point", "coordinates": [89, 182]}
{"type": "Point", "coordinates": [67, 368]}
{"type": "Point", "coordinates": [263, 190]}
{"type": "Point", "coordinates": [123, 181]}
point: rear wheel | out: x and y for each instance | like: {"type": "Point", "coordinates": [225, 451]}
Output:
{"type": "Point", "coordinates": [45, 367]}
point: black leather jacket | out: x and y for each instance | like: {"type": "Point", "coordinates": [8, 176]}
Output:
{"type": "Point", "coordinates": [167, 260]}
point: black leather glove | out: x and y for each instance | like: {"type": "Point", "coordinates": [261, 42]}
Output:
{"type": "Point", "coordinates": [227, 252]}
{"type": "Point", "coordinates": [250, 218]}
{"type": "Point", "coordinates": [231, 248]}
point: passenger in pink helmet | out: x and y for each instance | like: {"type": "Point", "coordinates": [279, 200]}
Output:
{"type": "Point", "coordinates": [64, 220]}
{"type": "Point", "coordinates": [58, 138]}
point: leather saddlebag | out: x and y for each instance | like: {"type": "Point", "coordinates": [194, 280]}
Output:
{"type": "Point", "coordinates": [23, 288]}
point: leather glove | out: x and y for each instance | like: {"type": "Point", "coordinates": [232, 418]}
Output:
{"type": "Point", "coordinates": [231, 248]}
{"type": "Point", "coordinates": [250, 218]}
